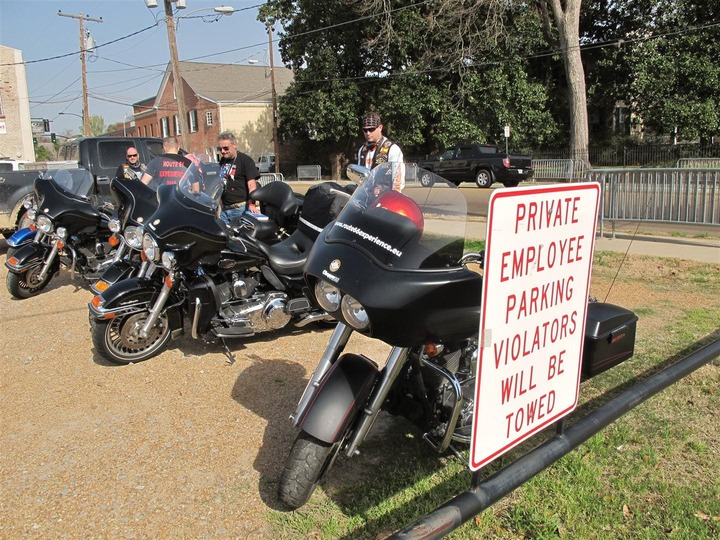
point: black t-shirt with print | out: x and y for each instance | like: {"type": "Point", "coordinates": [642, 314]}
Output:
{"type": "Point", "coordinates": [237, 172]}
{"type": "Point", "coordinates": [167, 169]}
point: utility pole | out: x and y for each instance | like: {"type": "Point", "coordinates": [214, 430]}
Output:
{"type": "Point", "coordinates": [80, 17]}
{"type": "Point", "coordinates": [177, 78]}
{"type": "Point", "coordinates": [274, 103]}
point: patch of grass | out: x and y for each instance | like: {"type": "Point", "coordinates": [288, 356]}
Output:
{"type": "Point", "coordinates": [652, 474]}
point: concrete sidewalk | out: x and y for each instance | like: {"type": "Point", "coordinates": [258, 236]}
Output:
{"type": "Point", "coordinates": [636, 243]}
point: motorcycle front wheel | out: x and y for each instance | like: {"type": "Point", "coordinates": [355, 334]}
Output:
{"type": "Point", "coordinates": [28, 283]}
{"type": "Point", "coordinates": [309, 461]}
{"type": "Point", "coordinates": [119, 340]}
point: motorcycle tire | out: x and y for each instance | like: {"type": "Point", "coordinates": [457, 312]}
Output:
{"type": "Point", "coordinates": [26, 285]}
{"type": "Point", "coordinates": [117, 339]}
{"type": "Point", "coordinates": [309, 461]}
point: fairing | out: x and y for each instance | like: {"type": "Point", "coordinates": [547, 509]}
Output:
{"type": "Point", "coordinates": [404, 271]}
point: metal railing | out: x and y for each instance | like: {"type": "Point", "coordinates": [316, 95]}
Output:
{"type": "Point", "coordinates": [698, 163]}
{"type": "Point", "coordinates": [311, 172]}
{"type": "Point", "coordinates": [266, 178]}
{"type": "Point", "coordinates": [559, 169]}
{"type": "Point", "coordinates": [662, 195]}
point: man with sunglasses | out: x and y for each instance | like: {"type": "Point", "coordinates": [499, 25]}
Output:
{"type": "Point", "coordinates": [132, 169]}
{"type": "Point", "coordinates": [379, 149]}
{"type": "Point", "coordinates": [240, 174]}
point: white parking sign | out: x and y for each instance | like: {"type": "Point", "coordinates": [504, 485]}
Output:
{"type": "Point", "coordinates": [538, 258]}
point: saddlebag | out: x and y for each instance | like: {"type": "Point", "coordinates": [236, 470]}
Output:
{"type": "Point", "coordinates": [609, 337]}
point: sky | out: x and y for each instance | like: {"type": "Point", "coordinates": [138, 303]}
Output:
{"type": "Point", "coordinates": [122, 70]}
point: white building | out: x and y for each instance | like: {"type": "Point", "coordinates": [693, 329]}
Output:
{"type": "Point", "coordinates": [15, 124]}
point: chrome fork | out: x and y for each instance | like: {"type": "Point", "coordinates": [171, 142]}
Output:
{"type": "Point", "coordinates": [334, 348]}
{"type": "Point", "coordinates": [49, 260]}
{"type": "Point", "coordinates": [157, 306]}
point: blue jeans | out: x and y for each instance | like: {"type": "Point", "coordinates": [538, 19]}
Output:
{"type": "Point", "coordinates": [232, 214]}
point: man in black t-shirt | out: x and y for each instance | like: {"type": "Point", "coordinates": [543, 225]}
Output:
{"type": "Point", "coordinates": [132, 169]}
{"type": "Point", "coordinates": [167, 168]}
{"type": "Point", "coordinates": [240, 175]}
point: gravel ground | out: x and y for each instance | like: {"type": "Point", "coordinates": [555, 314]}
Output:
{"type": "Point", "coordinates": [188, 444]}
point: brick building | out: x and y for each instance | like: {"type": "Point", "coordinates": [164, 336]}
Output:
{"type": "Point", "coordinates": [218, 97]}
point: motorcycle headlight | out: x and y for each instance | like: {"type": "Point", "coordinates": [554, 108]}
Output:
{"type": "Point", "coordinates": [45, 224]}
{"type": "Point", "coordinates": [27, 205]}
{"type": "Point", "coordinates": [134, 237]}
{"type": "Point", "coordinates": [168, 260]}
{"type": "Point", "coordinates": [354, 313]}
{"type": "Point", "coordinates": [327, 295]}
{"type": "Point", "coordinates": [114, 225]}
{"type": "Point", "coordinates": [62, 232]}
{"type": "Point", "coordinates": [31, 213]}
{"type": "Point", "coordinates": [150, 248]}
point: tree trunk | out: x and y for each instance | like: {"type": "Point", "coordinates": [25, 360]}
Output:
{"type": "Point", "coordinates": [338, 162]}
{"type": "Point", "coordinates": [568, 24]}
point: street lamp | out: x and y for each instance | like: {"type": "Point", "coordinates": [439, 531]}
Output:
{"type": "Point", "coordinates": [79, 116]}
{"type": "Point", "coordinates": [175, 66]}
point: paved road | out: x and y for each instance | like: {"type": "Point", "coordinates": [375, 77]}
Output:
{"type": "Point", "coordinates": [684, 241]}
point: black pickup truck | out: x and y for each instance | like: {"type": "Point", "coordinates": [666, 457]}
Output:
{"type": "Point", "coordinates": [479, 163]}
{"type": "Point", "coordinates": [100, 155]}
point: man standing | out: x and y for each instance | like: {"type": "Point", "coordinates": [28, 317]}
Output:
{"type": "Point", "coordinates": [240, 174]}
{"type": "Point", "coordinates": [379, 149]}
{"type": "Point", "coordinates": [167, 168]}
{"type": "Point", "coordinates": [132, 169]}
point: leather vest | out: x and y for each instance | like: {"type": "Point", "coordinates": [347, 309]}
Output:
{"type": "Point", "coordinates": [381, 153]}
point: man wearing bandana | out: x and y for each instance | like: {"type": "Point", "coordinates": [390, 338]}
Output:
{"type": "Point", "coordinates": [379, 149]}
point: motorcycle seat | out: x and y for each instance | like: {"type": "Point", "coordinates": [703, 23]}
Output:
{"type": "Point", "coordinates": [289, 256]}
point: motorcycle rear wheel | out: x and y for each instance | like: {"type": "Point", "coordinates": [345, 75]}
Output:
{"type": "Point", "coordinates": [26, 284]}
{"type": "Point", "coordinates": [118, 339]}
{"type": "Point", "coordinates": [309, 461]}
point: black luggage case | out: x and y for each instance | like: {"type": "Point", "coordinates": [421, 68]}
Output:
{"type": "Point", "coordinates": [609, 337]}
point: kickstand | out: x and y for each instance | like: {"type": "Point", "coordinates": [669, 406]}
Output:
{"type": "Point", "coordinates": [228, 352]}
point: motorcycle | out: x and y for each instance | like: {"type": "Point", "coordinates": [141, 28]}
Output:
{"type": "Point", "coordinates": [227, 286]}
{"type": "Point", "coordinates": [392, 267]}
{"type": "Point", "coordinates": [71, 231]}
{"type": "Point", "coordinates": [279, 212]}
{"type": "Point", "coordinates": [134, 203]}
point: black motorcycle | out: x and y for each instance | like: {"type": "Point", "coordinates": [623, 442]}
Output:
{"type": "Point", "coordinates": [392, 267]}
{"type": "Point", "coordinates": [134, 203]}
{"type": "Point", "coordinates": [72, 230]}
{"type": "Point", "coordinates": [227, 286]}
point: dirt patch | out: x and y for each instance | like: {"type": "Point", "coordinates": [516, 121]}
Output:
{"type": "Point", "coordinates": [188, 444]}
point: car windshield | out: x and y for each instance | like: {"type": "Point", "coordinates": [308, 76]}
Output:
{"type": "Point", "coordinates": [78, 182]}
{"type": "Point", "coordinates": [202, 183]}
{"type": "Point", "coordinates": [422, 227]}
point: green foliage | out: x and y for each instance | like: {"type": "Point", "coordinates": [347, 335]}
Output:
{"type": "Point", "coordinates": [97, 125]}
{"type": "Point", "coordinates": [42, 153]}
{"type": "Point", "coordinates": [405, 65]}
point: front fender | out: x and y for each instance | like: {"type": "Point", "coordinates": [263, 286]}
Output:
{"type": "Point", "coordinates": [30, 255]}
{"type": "Point", "coordinates": [342, 393]}
{"type": "Point", "coordinates": [132, 295]}
{"type": "Point", "coordinates": [21, 236]}
{"type": "Point", "coordinates": [116, 272]}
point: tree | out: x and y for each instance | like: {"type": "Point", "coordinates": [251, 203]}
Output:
{"type": "Point", "coordinates": [566, 15]}
{"type": "Point", "coordinates": [676, 81]}
{"type": "Point", "coordinates": [97, 125]}
{"type": "Point", "coordinates": [436, 74]}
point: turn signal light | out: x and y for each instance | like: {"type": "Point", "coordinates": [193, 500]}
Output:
{"type": "Point", "coordinates": [102, 286]}
{"type": "Point", "coordinates": [113, 240]}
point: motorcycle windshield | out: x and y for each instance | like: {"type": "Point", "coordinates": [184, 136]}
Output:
{"type": "Point", "coordinates": [202, 185]}
{"type": "Point", "coordinates": [420, 228]}
{"type": "Point", "coordinates": [73, 182]}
